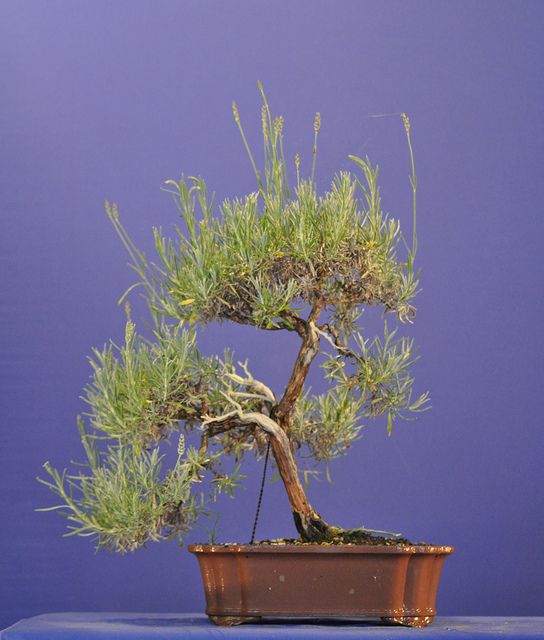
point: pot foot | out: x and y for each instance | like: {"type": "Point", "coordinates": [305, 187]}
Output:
{"type": "Point", "coordinates": [232, 621]}
{"type": "Point", "coordinates": [411, 621]}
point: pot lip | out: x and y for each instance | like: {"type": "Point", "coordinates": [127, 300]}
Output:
{"type": "Point", "coordinates": [319, 549]}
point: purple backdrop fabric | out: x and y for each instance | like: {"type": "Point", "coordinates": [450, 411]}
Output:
{"type": "Point", "coordinates": [108, 99]}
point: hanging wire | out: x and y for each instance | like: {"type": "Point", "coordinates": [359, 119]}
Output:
{"type": "Point", "coordinates": [263, 479]}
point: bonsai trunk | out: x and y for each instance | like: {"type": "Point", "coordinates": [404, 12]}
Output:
{"type": "Point", "coordinates": [308, 522]}
{"type": "Point", "coordinates": [310, 526]}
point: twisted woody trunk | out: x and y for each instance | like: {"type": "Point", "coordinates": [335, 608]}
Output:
{"type": "Point", "coordinates": [308, 522]}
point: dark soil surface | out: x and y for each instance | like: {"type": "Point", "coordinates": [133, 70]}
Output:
{"type": "Point", "coordinates": [351, 537]}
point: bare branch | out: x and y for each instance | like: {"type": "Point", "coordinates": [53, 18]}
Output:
{"type": "Point", "coordinates": [237, 418]}
{"type": "Point", "coordinates": [250, 396]}
{"type": "Point", "coordinates": [262, 392]}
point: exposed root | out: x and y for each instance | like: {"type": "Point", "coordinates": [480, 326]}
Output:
{"type": "Point", "coordinates": [314, 530]}
{"type": "Point", "coordinates": [362, 536]}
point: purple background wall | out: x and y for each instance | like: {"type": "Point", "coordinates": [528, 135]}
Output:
{"type": "Point", "coordinates": [108, 99]}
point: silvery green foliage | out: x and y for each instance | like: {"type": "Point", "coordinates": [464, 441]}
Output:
{"type": "Point", "coordinates": [139, 394]}
{"type": "Point", "coordinates": [259, 260]}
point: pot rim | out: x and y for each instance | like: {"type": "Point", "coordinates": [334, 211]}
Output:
{"type": "Point", "coordinates": [318, 549]}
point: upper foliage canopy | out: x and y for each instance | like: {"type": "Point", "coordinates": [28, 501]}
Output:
{"type": "Point", "coordinates": [267, 252]}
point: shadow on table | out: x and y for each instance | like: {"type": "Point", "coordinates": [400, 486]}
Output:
{"type": "Point", "coordinates": [203, 621]}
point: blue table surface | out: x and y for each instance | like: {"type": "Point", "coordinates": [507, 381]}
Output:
{"type": "Point", "coordinates": [167, 626]}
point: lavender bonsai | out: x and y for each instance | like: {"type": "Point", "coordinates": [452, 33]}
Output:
{"type": "Point", "coordinates": [279, 259]}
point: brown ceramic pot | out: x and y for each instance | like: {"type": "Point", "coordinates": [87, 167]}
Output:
{"type": "Point", "coordinates": [395, 583]}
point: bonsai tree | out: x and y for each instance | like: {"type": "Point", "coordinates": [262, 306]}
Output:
{"type": "Point", "coordinates": [279, 259]}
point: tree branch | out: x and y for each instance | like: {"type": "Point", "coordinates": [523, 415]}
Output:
{"type": "Point", "coordinates": [330, 333]}
{"type": "Point", "coordinates": [213, 430]}
{"type": "Point", "coordinates": [261, 391]}
{"type": "Point", "coordinates": [299, 324]}
{"type": "Point", "coordinates": [238, 418]}
{"type": "Point", "coordinates": [291, 321]}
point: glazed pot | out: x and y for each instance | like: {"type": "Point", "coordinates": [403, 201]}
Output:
{"type": "Point", "coordinates": [246, 582]}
